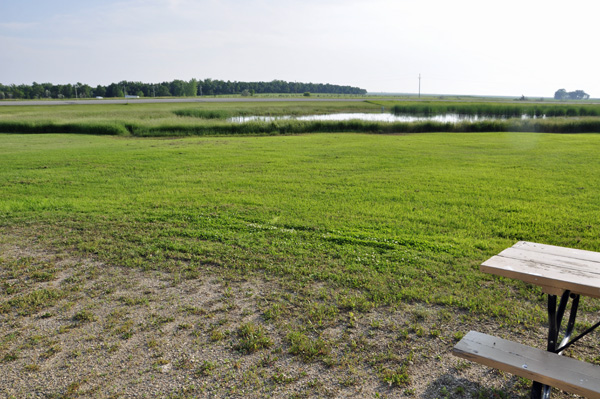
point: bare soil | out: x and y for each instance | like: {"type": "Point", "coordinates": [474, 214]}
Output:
{"type": "Point", "coordinates": [75, 327]}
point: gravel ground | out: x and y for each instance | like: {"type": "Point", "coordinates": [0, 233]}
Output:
{"type": "Point", "coordinates": [73, 327]}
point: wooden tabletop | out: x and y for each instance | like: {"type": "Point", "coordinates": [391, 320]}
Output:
{"type": "Point", "coordinates": [555, 269]}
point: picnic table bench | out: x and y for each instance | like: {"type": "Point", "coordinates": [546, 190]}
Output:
{"type": "Point", "coordinates": [565, 272]}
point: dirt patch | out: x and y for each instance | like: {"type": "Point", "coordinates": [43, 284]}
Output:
{"type": "Point", "coordinates": [75, 327]}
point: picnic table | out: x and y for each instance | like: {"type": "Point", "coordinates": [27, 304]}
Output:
{"type": "Point", "coordinates": [560, 272]}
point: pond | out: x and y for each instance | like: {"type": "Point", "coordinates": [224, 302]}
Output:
{"type": "Point", "coordinates": [378, 117]}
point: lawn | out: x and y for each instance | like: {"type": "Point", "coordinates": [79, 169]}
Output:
{"type": "Point", "coordinates": [399, 217]}
{"type": "Point", "coordinates": [377, 221]}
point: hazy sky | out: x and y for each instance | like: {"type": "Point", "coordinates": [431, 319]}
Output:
{"type": "Point", "coordinates": [504, 47]}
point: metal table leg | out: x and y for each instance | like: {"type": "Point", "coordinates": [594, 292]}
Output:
{"type": "Point", "coordinates": [555, 317]}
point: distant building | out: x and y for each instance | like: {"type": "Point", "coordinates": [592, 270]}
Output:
{"type": "Point", "coordinates": [129, 96]}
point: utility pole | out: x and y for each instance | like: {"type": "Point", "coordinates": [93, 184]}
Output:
{"type": "Point", "coordinates": [419, 85]}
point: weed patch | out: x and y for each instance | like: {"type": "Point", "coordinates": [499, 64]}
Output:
{"type": "Point", "coordinates": [33, 301]}
{"type": "Point", "coordinates": [252, 337]}
{"type": "Point", "coordinates": [308, 349]}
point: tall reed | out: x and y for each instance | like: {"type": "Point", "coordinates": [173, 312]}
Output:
{"type": "Point", "coordinates": [292, 126]}
{"type": "Point", "coordinates": [505, 110]}
{"type": "Point", "coordinates": [97, 128]}
{"type": "Point", "coordinates": [204, 113]}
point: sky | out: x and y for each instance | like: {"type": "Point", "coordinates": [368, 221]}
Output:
{"type": "Point", "coordinates": [508, 48]}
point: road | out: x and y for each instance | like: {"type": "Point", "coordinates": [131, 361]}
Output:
{"type": "Point", "coordinates": [171, 100]}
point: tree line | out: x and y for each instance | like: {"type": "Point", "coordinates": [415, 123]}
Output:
{"type": "Point", "coordinates": [175, 88]}
{"type": "Point", "coordinates": [562, 94]}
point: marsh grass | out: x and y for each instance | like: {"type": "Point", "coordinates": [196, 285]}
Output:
{"type": "Point", "coordinates": [506, 110]}
{"type": "Point", "coordinates": [291, 127]}
{"type": "Point", "coordinates": [205, 114]}
{"type": "Point", "coordinates": [169, 120]}
{"type": "Point", "coordinates": [96, 128]}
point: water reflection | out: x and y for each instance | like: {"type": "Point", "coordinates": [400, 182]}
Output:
{"type": "Point", "coordinates": [382, 117]}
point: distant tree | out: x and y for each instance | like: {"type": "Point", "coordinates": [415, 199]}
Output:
{"type": "Point", "coordinates": [181, 88]}
{"type": "Point", "coordinates": [124, 85]}
{"type": "Point", "coordinates": [16, 92]}
{"type": "Point", "coordinates": [67, 91]}
{"type": "Point", "coordinates": [245, 93]}
{"type": "Point", "coordinates": [84, 90]}
{"type": "Point", "coordinates": [578, 95]}
{"type": "Point", "coordinates": [207, 86]}
{"type": "Point", "coordinates": [100, 91]}
{"type": "Point", "coordinates": [191, 88]}
{"type": "Point", "coordinates": [37, 91]}
{"type": "Point", "coordinates": [560, 94]}
{"type": "Point", "coordinates": [114, 90]}
{"type": "Point", "coordinates": [163, 90]}
{"type": "Point", "coordinates": [307, 94]}
{"type": "Point", "coordinates": [134, 88]}
{"type": "Point", "coordinates": [178, 88]}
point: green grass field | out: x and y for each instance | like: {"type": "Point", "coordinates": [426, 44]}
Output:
{"type": "Point", "coordinates": [400, 218]}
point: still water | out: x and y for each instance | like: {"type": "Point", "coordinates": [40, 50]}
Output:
{"type": "Point", "coordinates": [382, 117]}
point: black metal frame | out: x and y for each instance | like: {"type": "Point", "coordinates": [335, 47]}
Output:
{"type": "Point", "coordinates": [555, 318]}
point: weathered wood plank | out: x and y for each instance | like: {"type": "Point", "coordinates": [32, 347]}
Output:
{"type": "Point", "coordinates": [552, 278]}
{"type": "Point", "coordinates": [574, 264]}
{"type": "Point", "coordinates": [559, 251]}
{"type": "Point", "coordinates": [555, 269]}
{"type": "Point", "coordinates": [535, 364]}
